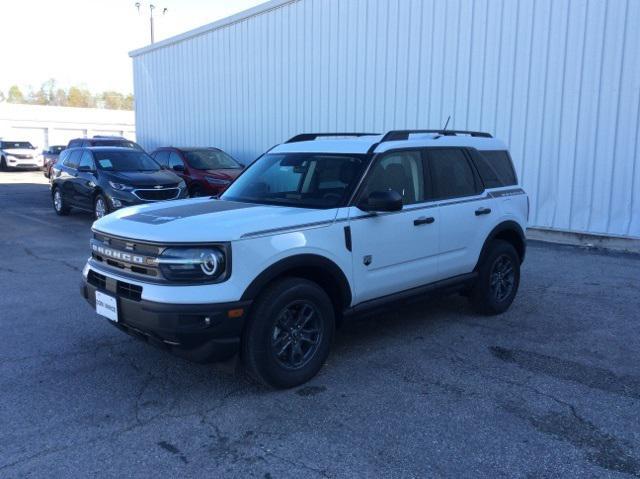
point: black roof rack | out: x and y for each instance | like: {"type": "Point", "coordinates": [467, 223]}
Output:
{"type": "Point", "coordinates": [313, 136]}
{"type": "Point", "coordinates": [397, 135]}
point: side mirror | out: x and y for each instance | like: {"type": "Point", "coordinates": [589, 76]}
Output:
{"type": "Point", "coordinates": [389, 200]}
{"type": "Point", "coordinates": [178, 167]}
{"type": "Point", "coordinates": [85, 169]}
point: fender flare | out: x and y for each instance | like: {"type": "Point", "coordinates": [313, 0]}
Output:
{"type": "Point", "coordinates": [299, 261]}
{"type": "Point", "coordinates": [510, 226]}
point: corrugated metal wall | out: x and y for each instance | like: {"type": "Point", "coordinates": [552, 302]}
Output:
{"type": "Point", "coordinates": [558, 80]}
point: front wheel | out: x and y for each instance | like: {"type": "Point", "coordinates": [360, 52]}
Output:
{"type": "Point", "coordinates": [498, 279]}
{"type": "Point", "coordinates": [100, 207]}
{"type": "Point", "coordinates": [3, 164]}
{"type": "Point", "coordinates": [288, 333]}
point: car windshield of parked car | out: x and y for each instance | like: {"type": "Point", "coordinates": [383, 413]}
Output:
{"type": "Point", "coordinates": [304, 180]}
{"type": "Point", "coordinates": [211, 160]}
{"type": "Point", "coordinates": [56, 149]}
{"type": "Point", "coordinates": [117, 143]}
{"type": "Point", "coordinates": [23, 145]}
{"type": "Point", "coordinates": [125, 160]}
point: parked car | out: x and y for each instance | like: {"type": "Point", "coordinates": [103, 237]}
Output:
{"type": "Point", "coordinates": [50, 156]}
{"type": "Point", "coordinates": [19, 154]}
{"type": "Point", "coordinates": [207, 171]}
{"type": "Point", "coordinates": [313, 231]}
{"type": "Point", "coordinates": [101, 140]}
{"type": "Point", "coordinates": [103, 179]}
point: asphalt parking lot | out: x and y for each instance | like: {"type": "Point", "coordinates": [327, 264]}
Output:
{"type": "Point", "coordinates": [549, 389]}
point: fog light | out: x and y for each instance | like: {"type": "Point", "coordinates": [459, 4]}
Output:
{"type": "Point", "coordinates": [116, 203]}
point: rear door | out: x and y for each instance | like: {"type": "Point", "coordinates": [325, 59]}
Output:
{"type": "Point", "coordinates": [465, 210]}
{"type": "Point", "coordinates": [395, 251]}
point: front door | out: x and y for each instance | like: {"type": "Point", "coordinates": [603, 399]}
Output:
{"type": "Point", "coordinates": [85, 182]}
{"type": "Point", "coordinates": [395, 251]}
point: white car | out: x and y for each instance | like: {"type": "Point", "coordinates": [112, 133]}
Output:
{"type": "Point", "coordinates": [322, 227]}
{"type": "Point", "coordinates": [19, 154]}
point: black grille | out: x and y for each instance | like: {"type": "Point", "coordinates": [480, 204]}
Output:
{"type": "Point", "coordinates": [128, 290]}
{"type": "Point", "coordinates": [24, 157]}
{"type": "Point", "coordinates": [96, 279]}
{"type": "Point", "coordinates": [157, 195]}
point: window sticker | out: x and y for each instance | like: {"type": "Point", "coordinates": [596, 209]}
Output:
{"type": "Point", "coordinates": [106, 163]}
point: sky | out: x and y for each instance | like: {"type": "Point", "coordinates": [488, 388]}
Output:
{"type": "Point", "coordinates": [86, 42]}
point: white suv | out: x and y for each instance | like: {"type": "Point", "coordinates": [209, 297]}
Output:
{"type": "Point", "coordinates": [19, 154]}
{"type": "Point", "coordinates": [319, 228]}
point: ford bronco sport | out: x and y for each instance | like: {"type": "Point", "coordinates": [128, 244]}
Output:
{"type": "Point", "coordinates": [319, 228]}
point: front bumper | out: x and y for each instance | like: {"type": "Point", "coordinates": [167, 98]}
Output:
{"type": "Point", "coordinates": [198, 332]}
{"type": "Point", "coordinates": [23, 163]}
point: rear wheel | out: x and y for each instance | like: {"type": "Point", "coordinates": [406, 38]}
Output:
{"type": "Point", "coordinates": [498, 279]}
{"type": "Point", "coordinates": [59, 205]}
{"type": "Point", "coordinates": [100, 207]}
{"type": "Point", "coordinates": [288, 333]}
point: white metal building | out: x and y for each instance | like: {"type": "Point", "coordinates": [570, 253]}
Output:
{"type": "Point", "coordinates": [558, 80]}
{"type": "Point", "coordinates": [44, 126]}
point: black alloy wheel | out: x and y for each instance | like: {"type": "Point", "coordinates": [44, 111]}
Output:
{"type": "Point", "coordinates": [296, 334]}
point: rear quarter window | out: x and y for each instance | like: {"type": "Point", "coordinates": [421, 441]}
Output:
{"type": "Point", "coordinates": [495, 168]}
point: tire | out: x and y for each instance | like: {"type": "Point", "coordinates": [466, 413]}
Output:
{"type": "Point", "coordinates": [100, 207]}
{"type": "Point", "coordinates": [196, 191]}
{"type": "Point", "coordinates": [3, 164]}
{"type": "Point", "coordinates": [281, 321]}
{"type": "Point", "coordinates": [498, 279]}
{"type": "Point", "coordinates": [59, 205]}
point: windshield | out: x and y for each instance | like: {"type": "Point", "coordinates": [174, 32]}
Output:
{"type": "Point", "coordinates": [304, 180]}
{"type": "Point", "coordinates": [210, 160]}
{"type": "Point", "coordinates": [17, 144]}
{"type": "Point", "coordinates": [125, 160]}
{"type": "Point", "coordinates": [118, 143]}
{"type": "Point", "coordinates": [57, 149]}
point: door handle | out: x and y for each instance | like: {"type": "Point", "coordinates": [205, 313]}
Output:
{"type": "Point", "coordinates": [423, 220]}
{"type": "Point", "coordinates": [483, 211]}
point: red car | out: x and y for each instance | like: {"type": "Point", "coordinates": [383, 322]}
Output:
{"type": "Point", "coordinates": [206, 171]}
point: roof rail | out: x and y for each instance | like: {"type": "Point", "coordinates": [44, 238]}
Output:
{"type": "Point", "coordinates": [313, 136]}
{"type": "Point", "coordinates": [397, 135]}
{"type": "Point", "coordinates": [115, 137]}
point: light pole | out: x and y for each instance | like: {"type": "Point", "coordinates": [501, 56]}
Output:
{"type": "Point", "coordinates": [152, 7]}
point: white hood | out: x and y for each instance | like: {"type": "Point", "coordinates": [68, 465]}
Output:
{"type": "Point", "coordinates": [207, 220]}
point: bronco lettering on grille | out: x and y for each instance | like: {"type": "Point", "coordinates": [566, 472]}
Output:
{"type": "Point", "coordinates": [115, 254]}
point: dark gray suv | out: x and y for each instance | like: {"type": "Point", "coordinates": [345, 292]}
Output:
{"type": "Point", "coordinates": [102, 179]}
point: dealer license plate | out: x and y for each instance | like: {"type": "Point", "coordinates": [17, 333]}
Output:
{"type": "Point", "coordinates": [107, 306]}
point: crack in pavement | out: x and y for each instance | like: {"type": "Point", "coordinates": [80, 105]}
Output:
{"type": "Point", "coordinates": [55, 260]}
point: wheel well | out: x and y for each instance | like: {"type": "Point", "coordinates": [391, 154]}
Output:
{"type": "Point", "coordinates": [511, 236]}
{"type": "Point", "coordinates": [512, 233]}
{"type": "Point", "coordinates": [318, 269]}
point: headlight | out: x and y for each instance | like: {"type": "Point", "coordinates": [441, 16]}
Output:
{"type": "Point", "coordinates": [182, 185]}
{"type": "Point", "coordinates": [120, 186]}
{"type": "Point", "coordinates": [192, 264]}
{"type": "Point", "coordinates": [217, 181]}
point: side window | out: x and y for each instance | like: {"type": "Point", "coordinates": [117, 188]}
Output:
{"type": "Point", "coordinates": [495, 168]}
{"type": "Point", "coordinates": [73, 159]}
{"type": "Point", "coordinates": [162, 157]}
{"type": "Point", "coordinates": [174, 159]}
{"type": "Point", "coordinates": [451, 173]}
{"type": "Point", "coordinates": [87, 160]}
{"type": "Point", "coordinates": [401, 171]}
